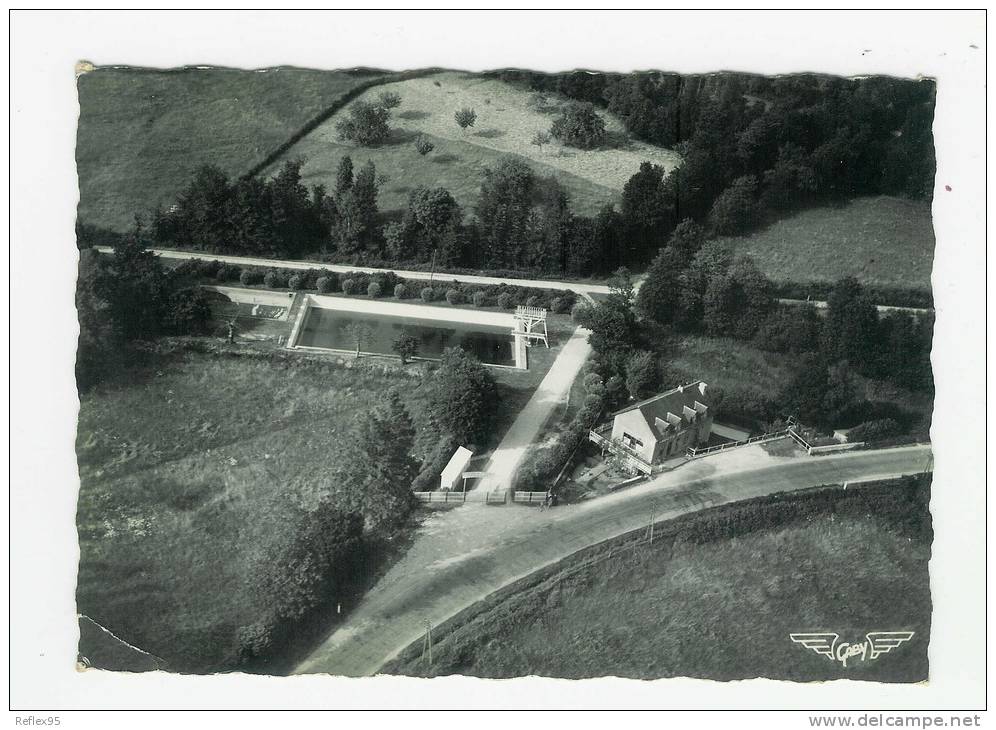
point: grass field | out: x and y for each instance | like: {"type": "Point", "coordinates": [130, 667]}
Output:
{"type": "Point", "coordinates": [142, 132]}
{"type": "Point", "coordinates": [507, 119]}
{"type": "Point", "coordinates": [727, 363]}
{"type": "Point", "coordinates": [881, 240]}
{"type": "Point", "coordinates": [188, 477]}
{"type": "Point", "coordinates": [720, 607]}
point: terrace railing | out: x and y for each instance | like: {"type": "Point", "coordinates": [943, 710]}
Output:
{"type": "Point", "coordinates": [453, 497]}
{"type": "Point", "coordinates": [600, 437]}
{"type": "Point", "coordinates": [694, 453]}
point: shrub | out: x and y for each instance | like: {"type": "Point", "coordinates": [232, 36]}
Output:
{"type": "Point", "coordinates": [254, 641]}
{"type": "Point", "coordinates": [373, 290]}
{"type": "Point", "coordinates": [428, 294]}
{"type": "Point", "coordinates": [560, 305]}
{"type": "Point", "coordinates": [423, 146]}
{"type": "Point", "coordinates": [533, 301]}
{"type": "Point", "coordinates": [401, 291]}
{"type": "Point", "coordinates": [296, 282]}
{"type": "Point", "coordinates": [505, 300]}
{"type": "Point", "coordinates": [324, 284]}
{"type": "Point", "coordinates": [579, 313]}
{"type": "Point", "coordinates": [454, 296]}
{"type": "Point", "coordinates": [248, 277]}
{"type": "Point", "coordinates": [274, 280]}
{"type": "Point", "coordinates": [875, 430]}
{"type": "Point", "coordinates": [349, 287]}
{"type": "Point", "coordinates": [480, 299]}
{"type": "Point", "coordinates": [579, 126]}
{"type": "Point", "coordinates": [223, 273]}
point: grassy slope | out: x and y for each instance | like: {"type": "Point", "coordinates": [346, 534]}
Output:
{"type": "Point", "coordinates": [505, 124]}
{"type": "Point", "coordinates": [186, 477]}
{"type": "Point", "coordinates": [142, 133]}
{"type": "Point", "coordinates": [721, 609]}
{"type": "Point", "coordinates": [723, 363]}
{"type": "Point", "coordinates": [881, 240]}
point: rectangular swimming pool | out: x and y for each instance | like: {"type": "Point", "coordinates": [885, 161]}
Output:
{"type": "Point", "coordinates": [332, 329]}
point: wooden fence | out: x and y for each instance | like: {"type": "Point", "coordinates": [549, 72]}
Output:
{"type": "Point", "coordinates": [451, 497]}
{"type": "Point", "coordinates": [529, 497]}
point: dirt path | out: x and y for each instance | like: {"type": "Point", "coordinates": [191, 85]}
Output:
{"type": "Point", "coordinates": [550, 393]}
{"type": "Point", "coordinates": [462, 555]}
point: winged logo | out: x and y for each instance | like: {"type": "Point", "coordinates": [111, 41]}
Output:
{"type": "Point", "coordinates": [828, 644]}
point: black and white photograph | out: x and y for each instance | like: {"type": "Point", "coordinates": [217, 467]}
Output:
{"type": "Point", "coordinates": [381, 367]}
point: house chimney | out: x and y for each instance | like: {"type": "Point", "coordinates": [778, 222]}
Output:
{"type": "Point", "coordinates": [702, 388]}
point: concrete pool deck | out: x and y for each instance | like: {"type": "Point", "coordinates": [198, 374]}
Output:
{"type": "Point", "coordinates": [423, 312]}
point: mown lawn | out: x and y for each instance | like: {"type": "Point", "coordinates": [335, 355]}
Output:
{"type": "Point", "coordinates": [507, 120]}
{"type": "Point", "coordinates": [191, 477]}
{"type": "Point", "coordinates": [715, 596]}
{"type": "Point", "coordinates": [143, 133]}
{"type": "Point", "coordinates": [880, 240]}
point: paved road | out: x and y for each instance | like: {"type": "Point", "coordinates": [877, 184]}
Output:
{"type": "Point", "coordinates": [882, 308]}
{"type": "Point", "coordinates": [550, 393]}
{"type": "Point", "coordinates": [585, 289]}
{"type": "Point", "coordinates": [463, 555]}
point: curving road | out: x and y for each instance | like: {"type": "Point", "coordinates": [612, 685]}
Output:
{"type": "Point", "coordinates": [462, 555]}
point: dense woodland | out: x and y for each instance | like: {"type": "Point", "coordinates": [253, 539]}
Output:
{"type": "Point", "coordinates": [754, 149]}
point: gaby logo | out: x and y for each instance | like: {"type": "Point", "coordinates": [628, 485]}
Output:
{"type": "Point", "coordinates": [875, 644]}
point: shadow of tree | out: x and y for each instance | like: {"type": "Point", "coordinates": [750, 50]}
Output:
{"type": "Point", "coordinates": [491, 133]}
{"type": "Point", "coordinates": [413, 114]}
{"type": "Point", "coordinates": [445, 159]}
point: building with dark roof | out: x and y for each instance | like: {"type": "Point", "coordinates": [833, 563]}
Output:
{"type": "Point", "coordinates": [664, 426]}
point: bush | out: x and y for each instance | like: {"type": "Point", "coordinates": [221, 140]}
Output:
{"type": "Point", "coordinates": [579, 313]}
{"type": "Point", "coordinates": [373, 290]}
{"type": "Point", "coordinates": [480, 299]}
{"type": "Point", "coordinates": [349, 287]}
{"type": "Point", "coordinates": [189, 311]}
{"type": "Point", "coordinates": [296, 282]}
{"type": "Point", "coordinates": [454, 296]}
{"type": "Point", "coordinates": [274, 280]}
{"type": "Point", "coordinates": [560, 305]}
{"type": "Point", "coordinates": [254, 641]}
{"type": "Point", "coordinates": [248, 277]}
{"type": "Point", "coordinates": [884, 428]}
{"type": "Point", "coordinates": [324, 285]}
{"type": "Point", "coordinates": [505, 300]}
{"type": "Point", "coordinates": [428, 294]}
{"type": "Point", "coordinates": [227, 273]}
{"type": "Point", "coordinates": [533, 301]}
{"type": "Point", "coordinates": [401, 291]}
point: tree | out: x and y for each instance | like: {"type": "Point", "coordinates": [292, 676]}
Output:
{"type": "Point", "coordinates": [423, 146]}
{"type": "Point", "coordinates": [464, 397]}
{"type": "Point", "coordinates": [712, 260]}
{"type": "Point", "coordinates": [792, 329]}
{"type": "Point", "coordinates": [344, 176]}
{"type": "Point", "coordinates": [358, 230]}
{"type": "Point", "coordinates": [367, 124]}
{"type": "Point", "coordinates": [503, 210]}
{"type": "Point", "coordinates": [738, 301]}
{"type": "Point", "coordinates": [579, 125]}
{"type": "Point", "coordinates": [735, 210]}
{"type": "Point", "coordinates": [388, 99]}
{"type": "Point", "coordinates": [378, 472]}
{"type": "Point", "coordinates": [465, 117]}
{"type": "Point", "coordinates": [660, 294]}
{"type": "Point", "coordinates": [850, 330]}
{"type": "Point", "coordinates": [405, 346]}
{"type": "Point", "coordinates": [646, 211]}
{"type": "Point", "coordinates": [541, 138]}
{"type": "Point", "coordinates": [642, 375]}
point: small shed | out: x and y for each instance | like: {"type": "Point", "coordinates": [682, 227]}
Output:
{"type": "Point", "coordinates": [454, 470]}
